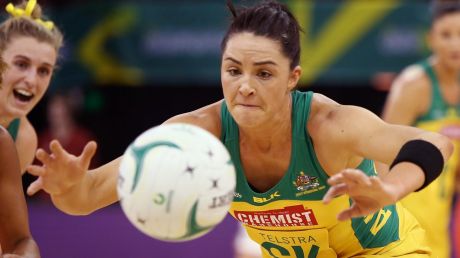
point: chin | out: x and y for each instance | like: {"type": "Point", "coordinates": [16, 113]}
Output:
{"type": "Point", "coordinates": [247, 121]}
{"type": "Point", "coordinates": [454, 64]}
{"type": "Point", "coordinates": [17, 112]}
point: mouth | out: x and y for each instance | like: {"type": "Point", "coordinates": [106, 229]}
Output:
{"type": "Point", "coordinates": [245, 104]}
{"type": "Point", "coordinates": [455, 55]}
{"type": "Point", "coordinates": [23, 95]}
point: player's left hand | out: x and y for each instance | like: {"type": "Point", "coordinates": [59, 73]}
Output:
{"type": "Point", "coordinates": [369, 194]}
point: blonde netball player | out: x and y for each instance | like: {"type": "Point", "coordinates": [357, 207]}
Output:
{"type": "Point", "coordinates": [30, 49]}
{"type": "Point", "coordinates": [427, 95]}
{"type": "Point", "coordinates": [306, 185]}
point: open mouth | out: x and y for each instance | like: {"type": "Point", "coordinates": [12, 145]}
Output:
{"type": "Point", "coordinates": [23, 95]}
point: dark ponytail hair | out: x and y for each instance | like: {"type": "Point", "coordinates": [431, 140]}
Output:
{"type": "Point", "coordinates": [440, 8]}
{"type": "Point", "coordinates": [269, 19]}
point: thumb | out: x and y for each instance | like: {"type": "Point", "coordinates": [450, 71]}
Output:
{"type": "Point", "coordinates": [88, 153]}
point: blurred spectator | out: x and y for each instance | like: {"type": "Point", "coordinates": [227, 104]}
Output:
{"type": "Point", "coordinates": [63, 125]}
{"type": "Point", "coordinates": [426, 95]}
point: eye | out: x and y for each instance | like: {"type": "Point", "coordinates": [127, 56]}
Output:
{"type": "Point", "coordinates": [44, 71]}
{"type": "Point", "coordinates": [21, 65]}
{"type": "Point", "coordinates": [265, 75]}
{"type": "Point", "coordinates": [445, 34]}
{"type": "Point", "coordinates": [233, 72]}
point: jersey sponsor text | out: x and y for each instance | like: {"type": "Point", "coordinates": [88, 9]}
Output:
{"type": "Point", "coordinates": [291, 216]}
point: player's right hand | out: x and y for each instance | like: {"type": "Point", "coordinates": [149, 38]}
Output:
{"type": "Point", "coordinates": [60, 171]}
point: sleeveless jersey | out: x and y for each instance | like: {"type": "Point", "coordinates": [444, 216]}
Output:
{"type": "Point", "coordinates": [290, 219]}
{"type": "Point", "coordinates": [438, 196]}
{"type": "Point", "coordinates": [13, 128]}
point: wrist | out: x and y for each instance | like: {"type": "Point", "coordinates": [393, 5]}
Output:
{"type": "Point", "coordinates": [403, 179]}
{"type": "Point", "coordinates": [72, 200]}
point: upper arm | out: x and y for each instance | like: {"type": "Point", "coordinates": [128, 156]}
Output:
{"type": "Point", "coordinates": [343, 135]}
{"type": "Point", "coordinates": [12, 200]}
{"type": "Point", "coordinates": [365, 135]}
{"type": "Point", "coordinates": [408, 97]}
{"type": "Point", "coordinates": [26, 143]}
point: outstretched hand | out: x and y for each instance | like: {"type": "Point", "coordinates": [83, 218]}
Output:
{"type": "Point", "coordinates": [369, 194]}
{"type": "Point", "coordinates": [59, 171]}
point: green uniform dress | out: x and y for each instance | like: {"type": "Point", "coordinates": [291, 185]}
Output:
{"type": "Point", "coordinates": [290, 219]}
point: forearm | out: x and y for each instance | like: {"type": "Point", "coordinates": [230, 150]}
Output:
{"type": "Point", "coordinates": [404, 178]}
{"type": "Point", "coordinates": [418, 163]}
{"type": "Point", "coordinates": [96, 190]}
{"type": "Point", "coordinates": [76, 201]}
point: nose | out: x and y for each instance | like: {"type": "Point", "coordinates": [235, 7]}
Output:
{"type": "Point", "coordinates": [455, 43]}
{"type": "Point", "coordinates": [31, 78]}
{"type": "Point", "coordinates": [246, 88]}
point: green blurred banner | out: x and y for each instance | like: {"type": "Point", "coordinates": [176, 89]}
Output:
{"type": "Point", "coordinates": [178, 42]}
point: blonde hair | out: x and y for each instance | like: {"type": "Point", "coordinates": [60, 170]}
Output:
{"type": "Point", "coordinates": [17, 26]}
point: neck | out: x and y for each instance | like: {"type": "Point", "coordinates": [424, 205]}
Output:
{"type": "Point", "coordinates": [5, 121]}
{"type": "Point", "coordinates": [446, 75]}
{"type": "Point", "coordinates": [277, 131]}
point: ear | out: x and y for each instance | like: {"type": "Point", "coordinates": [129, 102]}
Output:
{"type": "Point", "coordinates": [294, 77]}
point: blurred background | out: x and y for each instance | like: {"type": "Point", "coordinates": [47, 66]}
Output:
{"type": "Point", "coordinates": [129, 65]}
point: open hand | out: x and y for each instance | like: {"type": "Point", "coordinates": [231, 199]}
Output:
{"type": "Point", "coordinates": [369, 193]}
{"type": "Point", "coordinates": [59, 170]}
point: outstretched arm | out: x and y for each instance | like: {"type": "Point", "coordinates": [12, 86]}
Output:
{"type": "Point", "coordinates": [77, 191]}
{"type": "Point", "coordinates": [363, 135]}
{"type": "Point", "coordinates": [15, 237]}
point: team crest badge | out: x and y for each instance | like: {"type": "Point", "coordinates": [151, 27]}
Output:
{"type": "Point", "coordinates": [306, 182]}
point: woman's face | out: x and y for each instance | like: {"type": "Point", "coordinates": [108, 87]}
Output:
{"type": "Point", "coordinates": [256, 78]}
{"type": "Point", "coordinates": [30, 65]}
{"type": "Point", "coordinates": [444, 39]}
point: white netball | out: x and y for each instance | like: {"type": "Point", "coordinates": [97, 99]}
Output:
{"type": "Point", "coordinates": [176, 182]}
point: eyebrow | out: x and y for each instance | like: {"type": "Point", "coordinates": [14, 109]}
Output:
{"type": "Point", "coordinates": [256, 63]}
{"type": "Point", "coordinates": [28, 59]}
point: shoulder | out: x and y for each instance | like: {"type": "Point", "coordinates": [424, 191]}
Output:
{"type": "Point", "coordinates": [409, 96]}
{"type": "Point", "coordinates": [207, 117]}
{"type": "Point", "coordinates": [413, 79]}
{"type": "Point", "coordinates": [26, 143]}
{"type": "Point", "coordinates": [324, 111]}
{"type": "Point", "coordinates": [26, 131]}
{"type": "Point", "coordinates": [334, 122]}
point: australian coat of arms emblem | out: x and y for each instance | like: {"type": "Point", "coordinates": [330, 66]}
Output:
{"type": "Point", "coordinates": [306, 182]}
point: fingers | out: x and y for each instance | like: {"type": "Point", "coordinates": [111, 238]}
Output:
{"type": "Point", "coordinates": [57, 150]}
{"type": "Point", "coordinates": [334, 191]}
{"type": "Point", "coordinates": [349, 213]}
{"type": "Point", "coordinates": [36, 186]}
{"type": "Point", "coordinates": [36, 170]}
{"type": "Point", "coordinates": [42, 156]}
{"type": "Point", "coordinates": [351, 177]}
{"type": "Point", "coordinates": [88, 153]}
